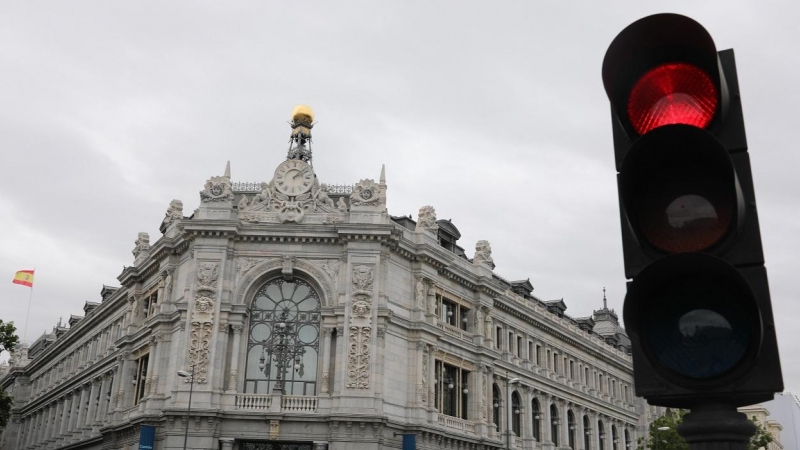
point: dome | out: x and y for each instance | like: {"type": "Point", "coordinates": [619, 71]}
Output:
{"type": "Point", "coordinates": [303, 114]}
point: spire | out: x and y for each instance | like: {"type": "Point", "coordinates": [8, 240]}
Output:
{"type": "Point", "coordinates": [383, 174]}
{"type": "Point", "coordinates": [300, 139]}
{"type": "Point", "coordinates": [605, 304]}
{"type": "Point", "coordinates": [228, 170]}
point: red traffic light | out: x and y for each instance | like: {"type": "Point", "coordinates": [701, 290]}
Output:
{"type": "Point", "coordinates": [663, 70]}
{"type": "Point", "coordinates": [672, 93]}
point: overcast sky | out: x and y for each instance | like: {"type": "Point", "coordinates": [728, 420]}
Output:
{"type": "Point", "coordinates": [492, 112]}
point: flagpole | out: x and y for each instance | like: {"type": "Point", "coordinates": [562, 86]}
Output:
{"type": "Point", "coordinates": [28, 315]}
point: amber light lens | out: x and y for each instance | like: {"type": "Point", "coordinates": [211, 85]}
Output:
{"type": "Point", "coordinates": [687, 207]}
{"type": "Point", "coordinates": [672, 93]}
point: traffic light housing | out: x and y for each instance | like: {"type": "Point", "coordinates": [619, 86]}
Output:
{"type": "Point", "coordinates": [698, 310]}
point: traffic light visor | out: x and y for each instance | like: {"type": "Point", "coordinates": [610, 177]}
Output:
{"type": "Point", "coordinates": [679, 190]}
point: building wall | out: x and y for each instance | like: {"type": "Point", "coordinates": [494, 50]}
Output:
{"type": "Point", "coordinates": [385, 290]}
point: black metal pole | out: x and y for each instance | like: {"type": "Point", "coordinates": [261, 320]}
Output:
{"type": "Point", "coordinates": [717, 427]}
{"type": "Point", "coordinates": [188, 410]}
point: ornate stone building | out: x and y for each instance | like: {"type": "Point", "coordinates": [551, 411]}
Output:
{"type": "Point", "coordinates": [312, 318]}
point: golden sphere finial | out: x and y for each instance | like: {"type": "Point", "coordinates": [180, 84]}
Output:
{"type": "Point", "coordinates": [303, 114]}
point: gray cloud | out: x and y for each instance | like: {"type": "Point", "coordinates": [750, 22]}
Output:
{"type": "Point", "coordinates": [492, 112]}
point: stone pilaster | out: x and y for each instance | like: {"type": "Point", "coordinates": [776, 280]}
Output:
{"type": "Point", "coordinates": [233, 375]}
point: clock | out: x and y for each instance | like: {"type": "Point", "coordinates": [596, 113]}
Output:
{"type": "Point", "coordinates": [293, 177]}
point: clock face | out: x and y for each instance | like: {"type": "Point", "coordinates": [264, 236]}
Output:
{"type": "Point", "coordinates": [294, 177]}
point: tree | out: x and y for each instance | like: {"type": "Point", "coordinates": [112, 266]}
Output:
{"type": "Point", "coordinates": [7, 337]}
{"type": "Point", "coordinates": [671, 440]}
{"type": "Point", "coordinates": [761, 438]}
{"type": "Point", "coordinates": [665, 439]}
{"type": "Point", "coordinates": [7, 342]}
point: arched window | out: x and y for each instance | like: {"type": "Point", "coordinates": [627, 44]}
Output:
{"type": "Point", "coordinates": [536, 416]}
{"type": "Point", "coordinates": [601, 435]}
{"type": "Point", "coordinates": [516, 413]}
{"type": "Point", "coordinates": [283, 339]}
{"type": "Point", "coordinates": [587, 432]}
{"type": "Point", "coordinates": [614, 437]}
{"type": "Point", "coordinates": [554, 424]}
{"type": "Point", "coordinates": [496, 405]}
{"type": "Point", "coordinates": [571, 428]}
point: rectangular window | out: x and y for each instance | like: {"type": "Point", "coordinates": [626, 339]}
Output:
{"type": "Point", "coordinates": [572, 370]}
{"type": "Point", "coordinates": [498, 337]}
{"type": "Point", "coordinates": [539, 355]}
{"type": "Point", "coordinates": [463, 317]}
{"type": "Point", "coordinates": [555, 362]}
{"type": "Point", "coordinates": [510, 343]}
{"type": "Point", "coordinates": [519, 346]}
{"type": "Point", "coordinates": [449, 392]}
{"type": "Point", "coordinates": [139, 381]}
{"type": "Point", "coordinates": [530, 350]}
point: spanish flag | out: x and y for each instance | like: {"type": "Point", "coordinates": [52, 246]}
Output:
{"type": "Point", "coordinates": [24, 277]}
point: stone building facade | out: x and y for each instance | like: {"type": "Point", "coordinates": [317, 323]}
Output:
{"type": "Point", "coordinates": [311, 318]}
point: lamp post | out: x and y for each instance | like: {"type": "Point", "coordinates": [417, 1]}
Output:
{"type": "Point", "coordinates": [658, 435]}
{"type": "Point", "coordinates": [190, 376]}
{"type": "Point", "coordinates": [508, 410]}
{"type": "Point", "coordinates": [283, 348]}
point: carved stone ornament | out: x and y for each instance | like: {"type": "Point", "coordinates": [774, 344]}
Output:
{"type": "Point", "coordinates": [341, 205]}
{"type": "Point", "coordinates": [203, 319]}
{"type": "Point", "coordinates": [329, 266]}
{"type": "Point", "coordinates": [283, 203]}
{"type": "Point", "coordinates": [245, 264]}
{"type": "Point", "coordinates": [358, 355]}
{"type": "Point", "coordinates": [217, 189]}
{"type": "Point", "coordinates": [366, 193]}
{"type": "Point", "coordinates": [427, 220]}
{"type": "Point", "coordinates": [483, 254]}
{"type": "Point", "coordinates": [142, 244]}
{"type": "Point", "coordinates": [362, 279]}
{"type": "Point", "coordinates": [361, 306]}
{"type": "Point", "coordinates": [274, 429]}
{"type": "Point", "coordinates": [174, 213]}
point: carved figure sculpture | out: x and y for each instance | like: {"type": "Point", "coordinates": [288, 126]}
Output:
{"type": "Point", "coordinates": [174, 212]}
{"type": "Point", "coordinates": [420, 292]}
{"type": "Point", "coordinates": [341, 205]}
{"type": "Point", "coordinates": [142, 244]}
{"type": "Point", "coordinates": [427, 219]}
{"type": "Point", "coordinates": [321, 197]}
{"type": "Point", "coordinates": [483, 254]}
{"type": "Point", "coordinates": [243, 204]}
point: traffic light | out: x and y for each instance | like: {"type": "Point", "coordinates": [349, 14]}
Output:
{"type": "Point", "coordinates": [697, 310]}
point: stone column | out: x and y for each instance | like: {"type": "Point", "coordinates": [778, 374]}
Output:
{"type": "Point", "coordinates": [579, 431]}
{"type": "Point", "coordinates": [431, 376]}
{"type": "Point", "coordinates": [326, 358]}
{"type": "Point", "coordinates": [81, 410]}
{"type": "Point", "coordinates": [320, 445]}
{"type": "Point", "coordinates": [73, 412]}
{"type": "Point", "coordinates": [62, 429]}
{"type": "Point", "coordinates": [155, 362]}
{"type": "Point", "coordinates": [547, 421]}
{"type": "Point", "coordinates": [120, 380]}
{"type": "Point", "coordinates": [527, 418]}
{"type": "Point", "coordinates": [97, 418]}
{"type": "Point", "coordinates": [34, 429]}
{"type": "Point", "coordinates": [233, 375]}
{"type": "Point", "coordinates": [564, 423]}
{"type": "Point", "coordinates": [94, 399]}
{"type": "Point", "coordinates": [55, 431]}
{"type": "Point", "coordinates": [226, 443]}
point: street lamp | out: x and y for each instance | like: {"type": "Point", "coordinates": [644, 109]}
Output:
{"type": "Point", "coordinates": [508, 411]}
{"type": "Point", "coordinates": [190, 376]}
{"type": "Point", "coordinates": [658, 438]}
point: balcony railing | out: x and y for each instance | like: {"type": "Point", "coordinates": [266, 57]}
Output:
{"type": "Point", "coordinates": [454, 423]}
{"type": "Point", "coordinates": [254, 401]}
{"type": "Point", "coordinates": [288, 403]}
{"type": "Point", "coordinates": [455, 331]}
{"type": "Point", "coordinates": [299, 403]}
